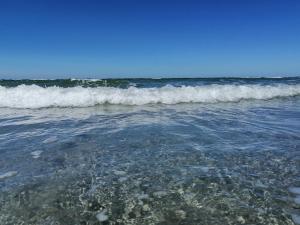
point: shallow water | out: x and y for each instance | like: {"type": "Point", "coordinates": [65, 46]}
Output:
{"type": "Point", "coordinates": [223, 163]}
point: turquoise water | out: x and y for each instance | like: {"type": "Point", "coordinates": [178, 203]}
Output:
{"type": "Point", "coordinates": [197, 151]}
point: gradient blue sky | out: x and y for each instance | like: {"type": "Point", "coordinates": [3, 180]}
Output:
{"type": "Point", "coordinates": [52, 39]}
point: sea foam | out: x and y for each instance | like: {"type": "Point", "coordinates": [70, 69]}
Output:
{"type": "Point", "coordinates": [33, 96]}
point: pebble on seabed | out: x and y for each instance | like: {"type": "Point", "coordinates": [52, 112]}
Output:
{"type": "Point", "coordinates": [297, 200]}
{"type": "Point", "coordinates": [296, 219]}
{"type": "Point", "coordinates": [295, 190]}
{"type": "Point", "coordinates": [142, 196]}
{"type": "Point", "coordinates": [180, 214]}
{"type": "Point", "coordinates": [160, 194]}
{"type": "Point", "coordinates": [241, 220]}
{"type": "Point", "coordinates": [119, 172]}
{"type": "Point", "coordinates": [102, 216]}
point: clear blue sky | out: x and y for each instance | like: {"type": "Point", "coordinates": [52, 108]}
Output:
{"type": "Point", "coordinates": [149, 38]}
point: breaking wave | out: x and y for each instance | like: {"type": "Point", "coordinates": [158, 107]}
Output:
{"type": "Point", "coordinates": [33, 96]}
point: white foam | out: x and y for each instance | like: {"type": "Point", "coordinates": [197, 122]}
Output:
{"type": "Point", "coordinates": [8, 174]}
{"type": "Point", "coordinates": [87, 79]}
{"type": "Point", "coordinates": [36, 154]}
{"type": "Point", "coordinates": [33, 96]}
{"type": "Point", "coordinates": [50, 140]}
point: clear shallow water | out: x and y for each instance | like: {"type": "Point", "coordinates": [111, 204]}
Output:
{"type": "Point", "coordinates": [188, 163]}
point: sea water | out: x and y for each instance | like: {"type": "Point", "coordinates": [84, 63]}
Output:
{"type": "Point", "coordinates": [150, 151]}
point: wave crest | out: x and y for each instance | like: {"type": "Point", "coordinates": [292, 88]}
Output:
{"type": "Point", "coordinates": [33, 96]}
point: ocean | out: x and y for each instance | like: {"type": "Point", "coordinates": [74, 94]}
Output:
{"type": "Point", "coordinates": [150, 151]}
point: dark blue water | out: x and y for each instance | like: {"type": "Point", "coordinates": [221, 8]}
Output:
{"type": "Point", "coordinates": [222, 161]}
{"type": "Point", "coordinates": [148, 83]}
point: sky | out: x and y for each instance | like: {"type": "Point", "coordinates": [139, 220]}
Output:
{"type": "Point", "coordinates": [126, 38]}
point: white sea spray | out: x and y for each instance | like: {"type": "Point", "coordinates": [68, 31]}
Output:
{"type": "Point", "coordinates": [33, 96]}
